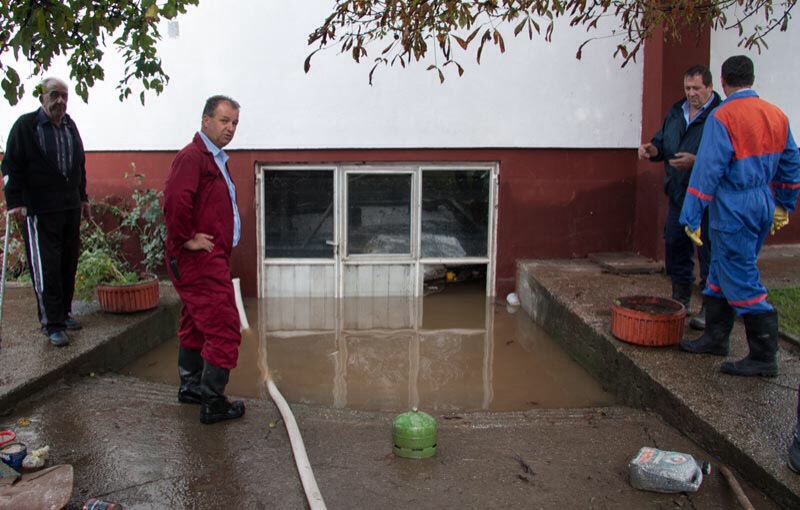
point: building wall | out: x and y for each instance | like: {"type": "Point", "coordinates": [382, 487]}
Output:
{"type": "Point", "coordinates": [563, 131]}
{"type": "Point", "coordinates": [552, 203]}
{"type": "Point", "coordinates": [776, 74]}
{"type": "Point", "coordinates": [536, 95]}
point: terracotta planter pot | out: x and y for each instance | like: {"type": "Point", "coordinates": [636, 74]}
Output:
{"type": "Point", "coordinates": [647, 320]}
{"type": "Point", "coordinates": [134, 297]}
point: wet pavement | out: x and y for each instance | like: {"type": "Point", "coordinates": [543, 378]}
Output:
{"type": "Point", "coordinates": [131, 442]}
{"type": "Point", "coordinates": [29, 363]}
{"type": "Point", "coordinates": [746, 422]}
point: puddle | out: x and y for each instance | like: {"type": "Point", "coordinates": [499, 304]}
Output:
{"type": "Point", "coordinates": [452, 351]}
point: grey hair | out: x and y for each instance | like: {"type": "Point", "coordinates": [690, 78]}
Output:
{"type": "Point", "coordinates": [44, 83]}
{"type": "Point", "coordinates": [214, 101]}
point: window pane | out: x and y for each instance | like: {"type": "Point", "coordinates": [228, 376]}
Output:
{"type": "Point", "coordinates": [455, 213]}
{"type": "Point", "coordinates": [379, 214]}
{"type": "Point", "coordinates": [298, 213]}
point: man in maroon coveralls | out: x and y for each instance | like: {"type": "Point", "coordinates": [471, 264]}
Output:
{"type": "Point", "coordinates": [202, 228]}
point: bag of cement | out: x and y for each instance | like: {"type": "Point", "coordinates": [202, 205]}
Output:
{"type": "Point", "coordinates": [661, 471]}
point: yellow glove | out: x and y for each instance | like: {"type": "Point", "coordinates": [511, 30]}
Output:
{"type": "Point", "coordinates": [694, 235]}
{"type": "Point", "coordinates": [779, 220]}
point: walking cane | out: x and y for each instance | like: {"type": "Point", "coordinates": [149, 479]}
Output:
{"type": "Point", "coordinates": [3, 275]}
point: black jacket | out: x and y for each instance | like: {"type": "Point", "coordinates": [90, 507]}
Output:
{"type": "Point", "coordinates": [675, 137]}
{"type": "Point", "coordinates": [31, 180]}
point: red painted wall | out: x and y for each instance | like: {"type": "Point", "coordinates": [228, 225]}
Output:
{"type": "Point", "coordinates": [552, 203]}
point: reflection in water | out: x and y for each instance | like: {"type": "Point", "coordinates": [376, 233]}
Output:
{"type": "Point", "coordinates": [454, 351]}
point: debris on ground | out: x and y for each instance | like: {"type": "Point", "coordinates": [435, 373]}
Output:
{"type": "Point", "coordinates": [664, 471]}
{"type": "Point", "coordinates": [100, 504]}
{"type": "Point", "coordinates": [12, 454]}
{"type": "Point", "coordinates": [7, 475]}
{"type": "Point", "coordinates": [36, 459]}
{"type": "Point", "coordinates": [7, 436]}
{"type": "Point", "coordinates": [45, 489]}
{"type": "Point", "coordinates": [526, 473]}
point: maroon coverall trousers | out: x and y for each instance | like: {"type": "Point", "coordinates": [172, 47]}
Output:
{"type": "Point", "coordinates": [196, 199]}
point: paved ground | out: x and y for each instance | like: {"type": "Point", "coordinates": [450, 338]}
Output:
{"type": "Point", "coordinates": [130, 441]}
{"type": "Point", "coordinates": [747, 422]}
{"type": "Point", "coordinates": [29, 363]}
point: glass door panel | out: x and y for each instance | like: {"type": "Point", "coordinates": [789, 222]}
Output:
{"type": "Point", "coordinates": [299, 214]}
{"type": "Point", "coordinates": [379, 213]}
{"type": "Point", "coordinates": [455, 213]}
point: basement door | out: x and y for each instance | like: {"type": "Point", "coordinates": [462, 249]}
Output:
{"type": "Point", "coordinates": [359, 231]}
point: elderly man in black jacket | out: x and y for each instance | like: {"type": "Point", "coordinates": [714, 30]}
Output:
{"type": "Point", "coordinates": [44, 174]}
{"type": "Point", "coordinates": [676, 144]}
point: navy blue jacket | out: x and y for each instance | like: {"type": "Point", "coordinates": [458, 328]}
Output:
{"type": "Point", "coordinates": [675, 137]}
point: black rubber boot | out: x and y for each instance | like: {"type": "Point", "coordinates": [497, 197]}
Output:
{"type": "Point", "coordinates": [682, 293]}
{"type": "Point", "coordinates": [216, 407]}
{"type": "Point", "coordinates": [762, 338]}
{"type": "Point", "coordinates": [794, 455]}
{"type": "Point", "coordinates": [794, 450]}
{"type": "Point", "coordinates": [719, 323]}
{"type": "Point", "coordinates": [190, 369]}
{"type": "Point", "coordinates": [699, 320]}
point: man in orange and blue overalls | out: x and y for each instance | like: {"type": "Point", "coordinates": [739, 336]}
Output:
{"type": "Point", "coordinates": [748, 174]}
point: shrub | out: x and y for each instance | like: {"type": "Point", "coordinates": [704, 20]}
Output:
{"type": "Point", "coordinates": [103, 259]}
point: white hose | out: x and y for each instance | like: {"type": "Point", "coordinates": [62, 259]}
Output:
{"type": "Point", "coordinates": [3, 277]}
{"type": "Point", "coordinates": [237, 292]}
{"type": "Point", "coordinates": [310, 487]}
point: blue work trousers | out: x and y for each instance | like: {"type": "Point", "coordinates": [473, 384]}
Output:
{"type": "Point", "coordinates": [679, 250]}
{"type": "Point", "coordinates": [741, 222]}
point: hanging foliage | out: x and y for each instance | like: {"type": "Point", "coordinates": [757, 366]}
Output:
{"type": "Point", "coordinates": [409, 28]}
{"type": "Point", "coordinates": [37, 31]}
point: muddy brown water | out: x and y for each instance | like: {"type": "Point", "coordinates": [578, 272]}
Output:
{"type": "Point", "coordinates": [453, 351]}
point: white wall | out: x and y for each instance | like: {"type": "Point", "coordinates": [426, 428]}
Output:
{"type": "Point", "coordinates": [777, 73]}
{"type": "Point", "coordinates": [536, 95]}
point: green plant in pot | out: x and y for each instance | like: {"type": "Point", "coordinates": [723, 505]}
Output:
{"type": "Point", "coordinates": [105, 267]}
{"type": "Point", "coordinates": [95, 268]}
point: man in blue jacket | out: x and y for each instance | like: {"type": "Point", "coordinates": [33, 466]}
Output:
{"type": "Point", "coordinates": [676, 144]}
{"type": "Point", "coordinates": [748, 176]}
{"type": "Point", "coordinates": [45, 186]}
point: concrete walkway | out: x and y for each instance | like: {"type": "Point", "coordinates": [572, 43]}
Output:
{"type": "Point", "coordinates": [746, 422]}
{"type": "Point", "coordinates": [28, 363]}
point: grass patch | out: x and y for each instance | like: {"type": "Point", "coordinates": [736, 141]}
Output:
{"type": "Point", "coordinates": [787, 302]}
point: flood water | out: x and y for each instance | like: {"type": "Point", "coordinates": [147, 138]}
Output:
{"type": "Point", "coordinates": [452, 351]}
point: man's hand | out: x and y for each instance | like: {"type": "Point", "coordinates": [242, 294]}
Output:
{"type": "Point", "coordinates": [86, 210]}
{"type": "Point", "coordinates": [18, 213]}
{"type": "Point", "coordinates": [779, 220]}
{"type": "Point", "coordinates": [200, 241]}
{"type": "Point", "coordinates": [647, 151]}
{"type": "Point", "coordinates": [694, 235]}
{"type": "Point", "coordinates": [682, 161]}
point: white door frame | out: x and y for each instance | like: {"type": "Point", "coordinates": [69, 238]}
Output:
{"type": "Point", "coordinates": [340, 258]}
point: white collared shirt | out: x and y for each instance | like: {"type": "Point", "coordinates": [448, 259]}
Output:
{"type": "Point", "coordinates": [221, 159]}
